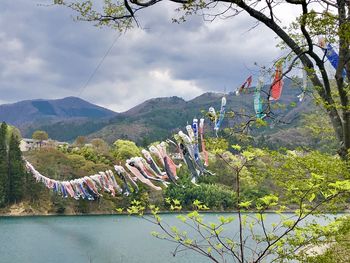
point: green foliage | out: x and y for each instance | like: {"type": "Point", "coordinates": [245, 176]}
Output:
{"type": "Point", "coordinates": [137, 207]}
{"type": "Point", "coordinates": [63, 166]}
{"type": "Point", "coordinates": [261, 123]}
{"type": "Point", "coordinates": [80, 141]}
{"type": "Point", "coordinates": [16, 171]}
{"type": "Point", "coordinates": [87, 156]}
{"type": "Point", "coordinates": [66, 163]}
{"type": "Point", "coordinates": [336, 243]}
{"type": "Point", "coordinates": [174, 204]}
{"type": "Point", "coordinates": [83, 206]}
{"type": "Point", "coordinates": [218, 197]}
{"type": "Point", "coordinates": [320, 132]}
{"type": "Point", "coordinates": [91, 154]}
{"type": "Point", "coordinates": [12, 171]}
{"type": "Point", "coordinates": [60, 165]}
{"type": "Point", "coordinates": [35, 193]}
{"type": "Point", "coordinates": [124, 149]}
{"type": "Point", "coordinates": [312, 176]}
{"type": "Point", "coordinates": [321, 24]}
{"type": "Point", "coordinates": [59, 204]}
{"type": "Point", "coordinates": [100, 146]}
{"type": "Point", "coordinates": [12, 130]}
{"type": "Point", "coordinates": [90, 11]}
{"type": "Point", "coordinates": [3, 165]}
{"type": "Point", "coordinates": [40, 136]}
{"type": "Point", "coordinates": [216, 145]}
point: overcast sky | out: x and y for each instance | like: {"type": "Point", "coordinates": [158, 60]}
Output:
{"type": "Point", "coordinates": [45, 54]}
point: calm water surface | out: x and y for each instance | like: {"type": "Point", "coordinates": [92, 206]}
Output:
{"type": "Point", "coordinates": [88, 239]}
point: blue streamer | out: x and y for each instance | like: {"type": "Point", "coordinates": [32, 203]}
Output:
{"type": "Point", "coordinates": [222, 114]}
{"type": "Point", "coordinates": [195, 144]}
{"type": "Point", "coordinates": [333, 57]}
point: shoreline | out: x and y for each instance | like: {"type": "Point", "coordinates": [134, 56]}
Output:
{"type": "Point", "coordinates": [164, 212]}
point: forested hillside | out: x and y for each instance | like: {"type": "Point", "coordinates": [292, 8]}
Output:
{"type": "Point", "coordinates": [158, 118]}
{"type": "Point", "coordinates": [64, 119]}
{"type": "Point", "coordinates": [152, 120]}
{"type": "Point", "coordinates": [260, 178]}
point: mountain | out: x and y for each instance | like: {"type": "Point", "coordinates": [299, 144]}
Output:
{"type": "Point", "coordinates": [63, 119]}
{"type": "Point", "coordinates": [152, 120]}
{"type": "Point", "coordinates": [29, 111]}
{"type": "Point", "coordinates": [156, 119]}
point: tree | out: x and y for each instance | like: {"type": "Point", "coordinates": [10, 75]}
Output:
{"type": "Point", "coordinates": [16, 171]}
{"type": "Point", "coordinates": [100, 145]}
{"type": "Point", "coordinates": [40, 136]}
{"type": "Point", "coordinates": [80, 141]}
{"type": "Point", "coordinates": [328, 18]}
{"type": "Point", "coordinates": [124, 149]}
{"type": "Point", "coordinates": [12, 130]}
{"type": "Point", "coordinates": [3, 165]}
{"type": "Point", "coordinates": [33, 190]}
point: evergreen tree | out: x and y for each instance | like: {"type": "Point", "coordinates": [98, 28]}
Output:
{"type": "Point", "coordinates": [34, 190]}
{"type": "Point", "coordinates": [16, 171]}
{"type": "Point", "coordinates": [3, 165]}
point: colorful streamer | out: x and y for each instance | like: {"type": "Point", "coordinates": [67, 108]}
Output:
{"type": "Point", "coordinates": [169, 165]}
{"type": "Point", "coordinates": [131, 165]}
{"type": "Point", "coordinates": [212, 115]}
{"type": "Point", "coordinates": [87, 187]}
{"type": "Point", "coordinates": [277, 85]}
{"type": "Point", "coordinates": [195, 141]}
{"type": "Point", "coordinates": [222, 114]}
{"type": "Point", "coordinates": [152, 163]}
{"type": "Point", "coordinates": [201, 132]}
{"type": "Point", "coordinates": [245, 85]}
{"type": "Point", "coordinates": [331, 54]}
{"type": "Point", "coordinates": [188, 159]}
{"type": "Point", "coordinates": [258, 103]}
{"type": "Point", "coordinates": [144, 170]}
{"type": "Point", "coordinates": [125, 177]}
{"type": "Point", "coordinates": [333, 57]}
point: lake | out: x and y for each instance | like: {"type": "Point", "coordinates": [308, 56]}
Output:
{"type": "Point", "coordinates": [89, 239]}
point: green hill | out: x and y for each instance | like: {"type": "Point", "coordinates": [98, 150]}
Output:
{"type": "Point", "coordinates": [158, 118]}
{"type": "Point", "coordinates": [152, 120]}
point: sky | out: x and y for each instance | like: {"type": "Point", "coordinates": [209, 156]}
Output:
{"type": "Point", "coordinates": [45, 54]}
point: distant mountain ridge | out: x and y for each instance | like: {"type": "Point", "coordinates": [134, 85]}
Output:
{"type": "Point", "coordinates": [63, 119]}
{"type": "Point", "coordinates": [158, 118]}
{"type": "Point", "coordinates": [154, 119]}
{"type": "Point", "coordinates": [29, 111]}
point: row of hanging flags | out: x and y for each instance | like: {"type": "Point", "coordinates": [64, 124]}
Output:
{"type": "Point", "coordinates": [275, 94]}
{"type": "Point", "coordinates": [157, 166]}
{"type": "Point", "coordinates": [277, 84]}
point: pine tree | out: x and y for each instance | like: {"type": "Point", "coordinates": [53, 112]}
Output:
{"type": "Point", "coordinates": [3, 166]}
{"type": "Point", "coordinates": [33, 191]}
{"type": "Point", "coordinates": [16, 171]}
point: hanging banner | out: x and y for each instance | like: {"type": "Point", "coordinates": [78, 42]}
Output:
{"type": "Point", "coordinates": [277, 85]}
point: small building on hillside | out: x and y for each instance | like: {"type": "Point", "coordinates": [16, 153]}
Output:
{"type": "Point", "coordinates": [31, 144]}
{"type": "Point", "coordinates": [28, 144]}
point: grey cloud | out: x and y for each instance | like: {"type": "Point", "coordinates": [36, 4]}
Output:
{"type": "Point", "coordinates": [55, 55]}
